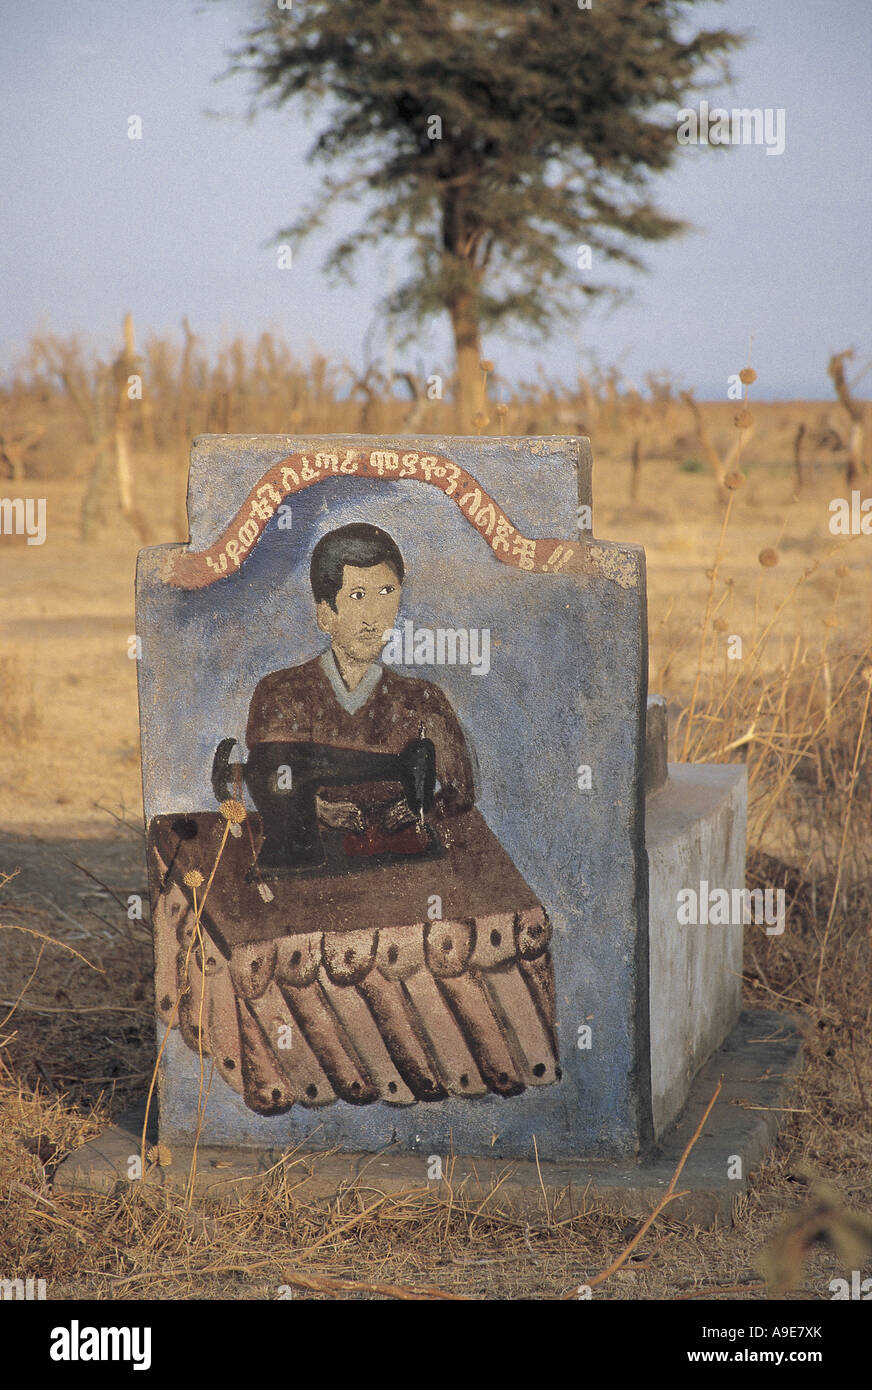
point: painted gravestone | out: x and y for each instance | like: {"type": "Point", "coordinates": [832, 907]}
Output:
{"type": "Point", "coordinates": [392, 699]}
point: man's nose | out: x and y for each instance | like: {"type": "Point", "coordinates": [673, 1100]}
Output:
{"type": "Point", "coordinates": [376, 610]}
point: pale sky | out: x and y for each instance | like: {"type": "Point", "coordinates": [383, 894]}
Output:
{"type": "Point", "coordinates": [93, 224]}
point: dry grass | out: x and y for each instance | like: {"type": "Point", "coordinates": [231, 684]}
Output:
{"type": "Point", "coordinates": [77, 1043]}
{"type": "Point", "coordinates": [20, 719]}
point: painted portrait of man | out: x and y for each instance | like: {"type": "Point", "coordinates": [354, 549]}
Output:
{"type": "Point", "coordinates": [347, 698]}
{"type": "Point", "coordinates": [389, 934]}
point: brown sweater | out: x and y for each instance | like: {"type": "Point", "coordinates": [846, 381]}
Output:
{"type": "Point", "coordinates": [298, 705]}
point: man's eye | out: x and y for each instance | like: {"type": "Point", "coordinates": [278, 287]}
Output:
{"type": "Point", "coordinates": [387, 589]}
{"type": "Point", "coordinates": [357, 593]}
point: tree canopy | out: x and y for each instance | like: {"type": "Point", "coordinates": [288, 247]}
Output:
{"type": "Point", "coordinates": [492, 137]}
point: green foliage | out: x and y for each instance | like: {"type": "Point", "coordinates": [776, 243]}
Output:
{"type": "Point", "coordinates": [552, 118]}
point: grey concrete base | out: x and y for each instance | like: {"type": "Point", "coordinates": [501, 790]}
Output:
{"type": "Point", "coordinates": [757, 1062]}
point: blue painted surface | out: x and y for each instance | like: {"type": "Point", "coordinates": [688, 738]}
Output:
{"type": "Point", "coordinates": [566, 687]}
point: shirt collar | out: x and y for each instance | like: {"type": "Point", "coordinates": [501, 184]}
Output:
{"type": "Point", "coordinates": [350, 700]}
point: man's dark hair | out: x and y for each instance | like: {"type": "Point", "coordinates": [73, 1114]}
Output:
{"type": "Point", "coordinates": [358, 544]}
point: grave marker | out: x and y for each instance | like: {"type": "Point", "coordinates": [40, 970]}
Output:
{"type": "Point", "coordinates": [393, 709]}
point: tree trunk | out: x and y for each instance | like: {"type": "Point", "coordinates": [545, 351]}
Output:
{"type": "Point", "coordinates": [101, 470]}
{"type": "Point", "coordinates": [635, 461]}
{"type": "Point", "coordinates": [855, 454]}
{"type": "Point", "coordinates": [836, 371]}
{"type": "Point", "coordinates": [467, 346]}
{"type": "Point", "coordinates": [797, 455]}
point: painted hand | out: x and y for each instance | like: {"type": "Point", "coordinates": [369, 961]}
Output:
{"type": "Point", "coordinates": [398, 815]}
{"type": "Point", "coordinates": [340, 815]}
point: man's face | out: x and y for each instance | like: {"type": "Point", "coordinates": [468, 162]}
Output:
{"type": "Point", "coordinates": [366, 609]}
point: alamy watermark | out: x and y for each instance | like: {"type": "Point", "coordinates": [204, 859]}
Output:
{"type": "Point", "coordinates": [441, 646]}
{"type": "Point", "coordinates": [737, 907]}
{"type": "Point", "coordinates": [77, 1343]}
{"type": "Point", "coordinates": [740, 126]}
{"type": "Point", "coordinates": [20, 516]}
{"type": "Point", "coordinates": [23, 1290]}
{"type": "Point", "coordinates": [851, 518]}
{"type": "Point", "coordinates": [858, 1289]}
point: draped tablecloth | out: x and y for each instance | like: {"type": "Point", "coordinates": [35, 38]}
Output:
{"type": "Point", "coordinates": [334, 986]}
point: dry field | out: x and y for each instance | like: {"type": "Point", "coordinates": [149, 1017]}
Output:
{"type": "Point", "coordinates": [76, 1032]}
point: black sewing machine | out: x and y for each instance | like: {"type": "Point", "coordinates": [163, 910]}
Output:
{"type": "Point", "coordinates": [284, 779]}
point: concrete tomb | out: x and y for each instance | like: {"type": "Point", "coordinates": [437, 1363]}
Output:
{"type": "Point", "coordinates": [397, 752]}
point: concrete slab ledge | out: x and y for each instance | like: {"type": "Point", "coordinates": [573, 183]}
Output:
{"type": "Point", "coordinates": [758, 1061]}
{"type": "Point", "coordinates": [691, 793]}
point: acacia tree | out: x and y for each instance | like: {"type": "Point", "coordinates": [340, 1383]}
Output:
{"type": "Point", "coordinates": [493, 137]}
